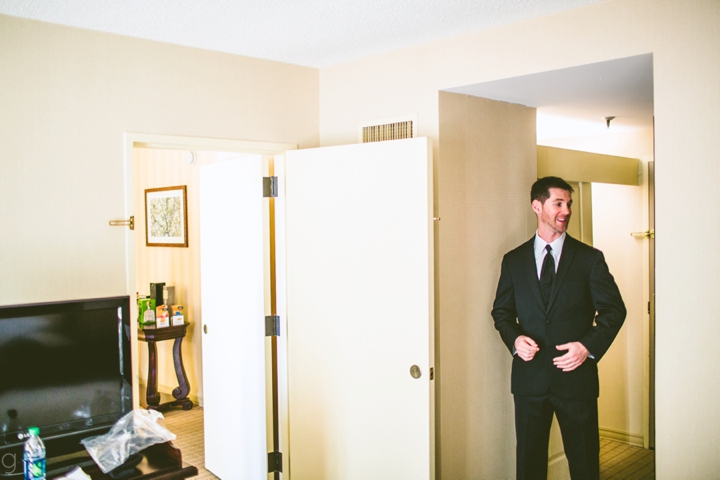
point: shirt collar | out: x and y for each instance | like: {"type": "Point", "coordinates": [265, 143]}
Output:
{"type": "Point", "coordinates": [556, 246]}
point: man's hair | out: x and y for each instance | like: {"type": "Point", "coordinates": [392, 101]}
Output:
{"type": "Point", "coordinates": [540, 190]}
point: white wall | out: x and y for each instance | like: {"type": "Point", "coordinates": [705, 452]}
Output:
{"type": "Point", "coordinates": [684, 40]}
{"type": "Point", "coordinates": [66, 97]}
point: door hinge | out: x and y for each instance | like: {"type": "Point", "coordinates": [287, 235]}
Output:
{"type": "Point", "coordinates": [270, 187]}
{"type": "Point", "coordinates": [272, 326]}
{"type": "Point", "coordinates": [274, 462]}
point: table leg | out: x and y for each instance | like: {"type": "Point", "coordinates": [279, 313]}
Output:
{"type": "Point", "coordinates": [152, 396]}
{"type": "Point", "coordinates": [181, 392]}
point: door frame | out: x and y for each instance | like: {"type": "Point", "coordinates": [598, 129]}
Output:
{"type": "Point", "coordinates": [131, 140]}
{"type": "Point", "coordinates": [649, 410]}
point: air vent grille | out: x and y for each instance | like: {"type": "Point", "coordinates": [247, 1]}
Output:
{"type": "Point", "coordinates": [387, 131]}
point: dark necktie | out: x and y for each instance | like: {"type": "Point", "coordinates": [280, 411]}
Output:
{"type": "Point", "coordinates": [547, 274]}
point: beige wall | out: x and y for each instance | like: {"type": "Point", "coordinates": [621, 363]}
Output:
{"type": "Point", "coordinates": [584, 166]}
{"type": "Point", "coordinates": [66, 97]}
{"type": "Point", "coordinates": [633, 144]}
{"type": "Point", "coordinates": [617, 211]}
{"type": "Point", "coordinates": [488, 156]}
{"type": "Point", "coordinates": [684, 40]}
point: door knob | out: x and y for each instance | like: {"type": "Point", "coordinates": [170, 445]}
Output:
{"type": "Point", "coordinates": [415, 372]}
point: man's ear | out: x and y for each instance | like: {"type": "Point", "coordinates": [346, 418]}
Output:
{"type": "Point", "coordinates": [537, 206]}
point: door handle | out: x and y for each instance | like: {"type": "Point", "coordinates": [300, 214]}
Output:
{"type": "Point", "coordinates": [645, 234]}
{"type": "Point", "coordinates": [130, 222]}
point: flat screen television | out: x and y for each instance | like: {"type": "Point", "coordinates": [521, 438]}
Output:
{"type": "Point", "coordinates": [65, 367]}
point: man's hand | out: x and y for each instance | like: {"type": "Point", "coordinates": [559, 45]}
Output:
{"type": "Point", "coordinates": [575, 356]}
{"type": "Point", "coordinates": [526, 347]}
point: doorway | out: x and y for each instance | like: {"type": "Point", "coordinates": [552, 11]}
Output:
{"type": "Point", "coordinates": [560, 97]}
{"type": "Point", "coordinates": [153, 161]}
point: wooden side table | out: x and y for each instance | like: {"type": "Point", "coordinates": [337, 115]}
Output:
{"type": "Point", "coordinates": [181, 392]}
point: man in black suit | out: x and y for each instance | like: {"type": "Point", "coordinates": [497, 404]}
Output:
{"type": "Point", "coordinates": [557, 309]}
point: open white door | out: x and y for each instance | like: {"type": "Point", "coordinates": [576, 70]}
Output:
{"type": "Point", "coordinates": [360, 311]}
{"type": "Point", "coordinates": [232, 276]}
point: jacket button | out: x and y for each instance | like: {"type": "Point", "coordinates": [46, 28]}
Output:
{"type": "Point", "coordinates": [547, 322]}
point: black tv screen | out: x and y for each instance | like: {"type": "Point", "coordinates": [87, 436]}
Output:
{"type": "Point", "coordinates": [65, 368]}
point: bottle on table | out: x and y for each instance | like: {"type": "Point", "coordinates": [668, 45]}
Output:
{"type": "Point", "coordinates": [34, 456]}
{"type": "Point", "coordinates": [10, 424]}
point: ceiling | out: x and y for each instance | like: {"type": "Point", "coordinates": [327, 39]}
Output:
{"type": "Point", "coordinates": [574, 102]}
{"type": "Point", "coordinates": [315, 33]}
{"type": "Point", "coordinates": [320, 33]}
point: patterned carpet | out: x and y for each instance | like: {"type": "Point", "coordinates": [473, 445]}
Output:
{"type": "Point", "coordinates": [188, 426]}
{"type": "Point", "coordinates": [618, 461]}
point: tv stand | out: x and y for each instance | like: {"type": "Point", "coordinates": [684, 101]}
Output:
{"type": "Point", "coordinates": [162, 461]}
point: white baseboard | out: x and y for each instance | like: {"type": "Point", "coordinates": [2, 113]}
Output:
{"type": "Point", "coordinates": [625, 437]}
{"type": "Point", "coordinates": [558, 467]}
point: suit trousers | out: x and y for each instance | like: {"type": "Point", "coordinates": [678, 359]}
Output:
{"type": "Point", "coordinates": [578, 420]}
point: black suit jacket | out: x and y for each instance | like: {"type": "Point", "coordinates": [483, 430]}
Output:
{"type": "Point", "coordinates": [585, 306]}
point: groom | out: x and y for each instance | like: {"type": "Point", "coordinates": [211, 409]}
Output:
{"type": "Point", "coordinates": [557, 309]}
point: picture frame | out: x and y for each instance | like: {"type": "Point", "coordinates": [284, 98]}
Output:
{"type": "Point", "coordinates": [166, 217]}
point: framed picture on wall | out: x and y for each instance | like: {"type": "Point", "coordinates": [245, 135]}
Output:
{"type": "Point", "coordinates": [166, 217]}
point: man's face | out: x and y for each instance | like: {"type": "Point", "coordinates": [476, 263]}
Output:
{"type": "Point", "coordinates": [554, 214]}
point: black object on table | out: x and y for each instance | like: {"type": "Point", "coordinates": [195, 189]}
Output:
{"type": "Point", "coordinates": [151, 336]}
{"type": "Point", "coordinates": [162, 461]}
{"type": "Point", "coordinates": [127, 469]}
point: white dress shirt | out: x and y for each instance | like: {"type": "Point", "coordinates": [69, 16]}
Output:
{"type": "Point", "coordinates": [540, 251]}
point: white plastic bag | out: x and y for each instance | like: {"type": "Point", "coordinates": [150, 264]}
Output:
{"type": "Point", "coordinates": [131, 434]}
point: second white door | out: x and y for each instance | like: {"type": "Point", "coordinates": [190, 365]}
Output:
{"type": "Point", "coordinates": [360, 311]}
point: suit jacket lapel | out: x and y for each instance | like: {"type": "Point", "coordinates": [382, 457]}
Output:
{"type": "Point", "coordinates": [568, 253]}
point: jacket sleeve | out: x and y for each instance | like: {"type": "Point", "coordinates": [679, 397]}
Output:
{"type": "Point", "coordinates": [609, 306]}
{"type": "Point", "coordinates": [504, 310]}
